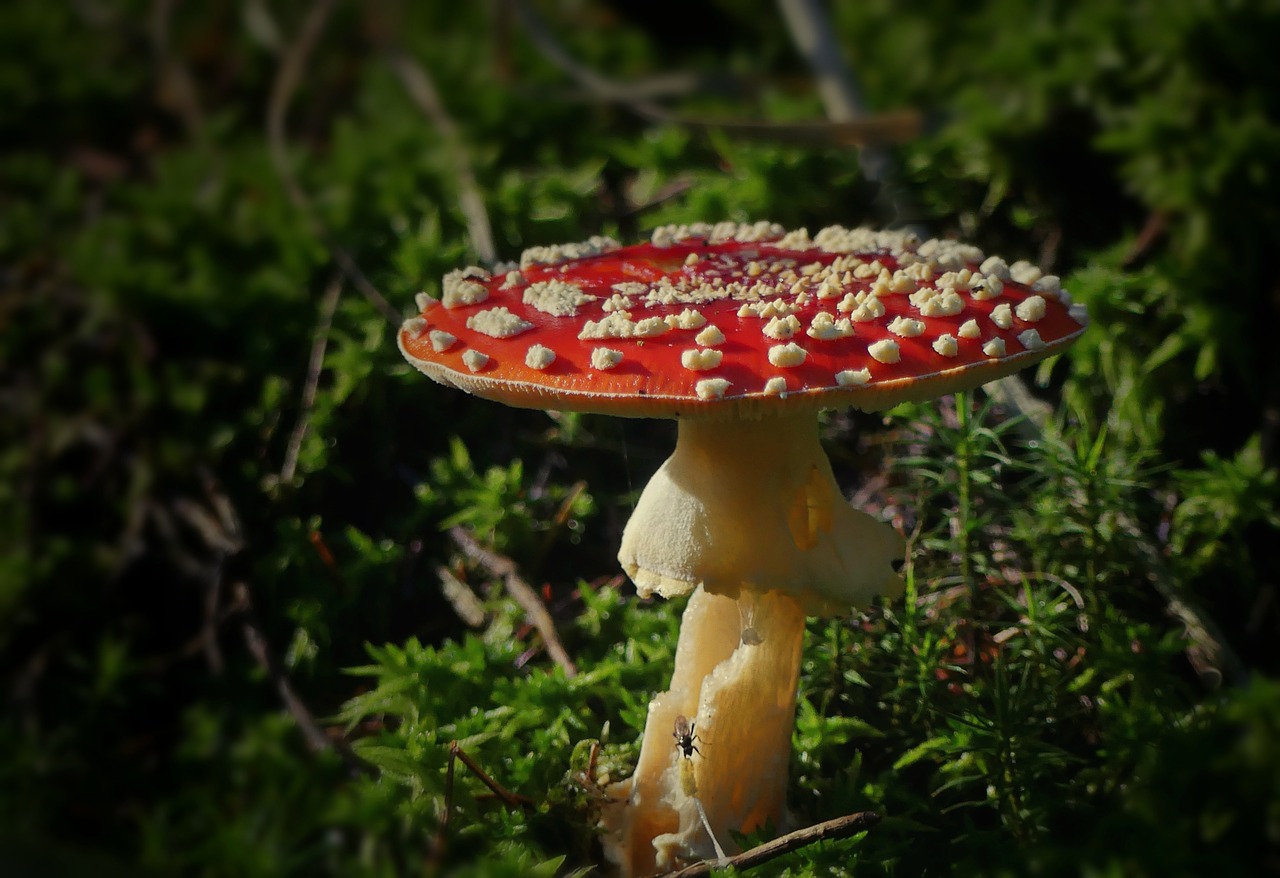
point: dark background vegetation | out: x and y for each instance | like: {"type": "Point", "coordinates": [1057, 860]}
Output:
{"type": "Point", "coordinates": [221, 488]}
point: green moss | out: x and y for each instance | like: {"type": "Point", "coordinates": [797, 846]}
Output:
{"type": "Point", "coordinates": [1030, 708]}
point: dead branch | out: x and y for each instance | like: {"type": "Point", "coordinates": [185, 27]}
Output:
{"type": "Point", "coordinates": [560, 519]}
{"type": "Point", "coordinates": [315, 363]}
{"type": "Point", "coordinates": [840, 827]}
{"type": "Point", "coordinates": [523, 593]}
{"type": "Point", "coordinates": [264, 656]}
{"type": "Point", "coordinates": [674, 189]}
{"type": "Point", "coordinates": [464, 601]}
{"type": "Point", "coordinates": [899, 126]}
{"type": "Point", "coordinates": [176, 87]}
{"type": "Point", "coordinates": [292, 66]}
{"type": "Point", "coordinates": [508, 798]}
{"type": "Point", "coordinates": [1036, 413]}
{"type": "Point", "coordinates": [1207, 649]}
{"type": "Point", "coordinates": [815, 40]}
{"type": "Point", "coordinates": [895, 127]}
{"type": "Point", "coordinates": [262, 653]}
{"type": "Point", "coordinates": [423, 92]}
{"type": "Point", "coordinates": [220, 529]}
{"type": "Point", "coordinates": [513, 801]}
{"type": "Point", "coordinates": [1152, 235]}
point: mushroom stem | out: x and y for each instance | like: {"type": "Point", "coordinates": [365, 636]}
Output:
{"type": "Point", "coordinates": [747, 515]}
{"type": "Point", "coordinates": [740, 693]}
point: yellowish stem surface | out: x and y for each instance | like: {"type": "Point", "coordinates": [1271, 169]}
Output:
{"type": "Point", "coordinates": [748, 517]}
{"type": "Point", "coordinates": [740, 693]}
{"type": "Point", "coordinates": [754, 504]}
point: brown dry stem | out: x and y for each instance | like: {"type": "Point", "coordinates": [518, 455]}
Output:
{"type": "Point", "coordinates": [840, 827]}
{"type": "Point", "coordinates": [315, 364]}
{"type": "Point", "coordinates": [423, 92]}
{"type": "Point", "coordinates": [894, 127]}
{"type": "Point", "coordinates": [522, 592]}
{"type": "Point", "coordinates": [292, 66]}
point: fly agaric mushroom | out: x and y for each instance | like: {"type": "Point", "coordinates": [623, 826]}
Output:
{"type": "Point", "coordinates": [742, 333]}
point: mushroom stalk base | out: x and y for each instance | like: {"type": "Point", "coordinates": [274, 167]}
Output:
{"type": "Point", "coordinates": [736, 670]}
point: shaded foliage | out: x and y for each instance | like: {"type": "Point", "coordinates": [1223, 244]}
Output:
{"type": "Point", "coordinates": [1030, 708]}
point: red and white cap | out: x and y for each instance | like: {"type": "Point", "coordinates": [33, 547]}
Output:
{"type": "Point", "coordinates": [735, 320]}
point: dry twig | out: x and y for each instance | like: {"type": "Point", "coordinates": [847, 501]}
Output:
{"type": "Point", "coordinates": [315, 363]}
{"type": "Point", "coordinates": [523, 593]}
{"type": "Point", "coordinates": [512, 801]}
{"type": "Point", "coordinates": [815, 40]}
{"type": "Point", "coordinates": [262, 653]}
{"type": "Point", "coordinates": [886, 128]}
{"type": "Point", "coordinates": [464, 601]}
{"type": "Point", "coordinates": [218, 526]}
{"type": "Point", "coordinates": [840, 827]}
{"type": "Point", "coordinates": [177, 88]}
{"type": "Point", "coordinates": [1207, 650]}
{"type": "Point", "coordinates": [422, 90]}
{"type": "Point", "coordinates": [292, 66]}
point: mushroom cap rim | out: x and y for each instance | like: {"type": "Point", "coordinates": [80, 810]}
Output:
{"type": "Point", "coordinates": [874, 396]}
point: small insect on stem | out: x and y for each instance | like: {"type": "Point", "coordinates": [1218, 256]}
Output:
{"type": "Point", "coordinates": [685, 736]}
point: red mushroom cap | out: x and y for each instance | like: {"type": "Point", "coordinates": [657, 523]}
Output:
{"type": "Point", "coordinates": [739, 320]}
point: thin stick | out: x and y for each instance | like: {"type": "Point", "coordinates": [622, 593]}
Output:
{"type": "Point", "coordinates": [222, 533]}
{"type": "Point", "coordinates": [209, 628]}
{"type": "Point", "coordinates": [510, 799]}
{"type": "Point", "coordinates": [422, 90]}
{"type": "Point", "coordinates": [315, 363]}
{"type": "Point", "coordinates": [282, 91]}
{"type": "Point", "coordinates": [840, 827]}
{"type": "Point", "coordinates": [219, 530]}
{"type": "Point", "coordinates": [344, 261]}
{"type": "Point", "coordinates": [560, 519]}
{"type": "Point", "coordinates": [464, 601]}
{"type": "Point", "coordinates": [523, 593]}
{"type": "Point", "coordinates": [895, 127]}
{"type": "Point", "coordinates": [441, 838]}
{"type": "Point", "coordinates": [177, 86]}
{"type": "Point", "coordinates": [1208, 650]}
{"type": "Point", "coordinates": [815, 40]}
{"type": "Point", "coordinates": [257, 643]}
{"type": "Point", "coordinates": [262, 653]}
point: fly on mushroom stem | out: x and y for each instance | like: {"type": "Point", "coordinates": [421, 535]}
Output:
{"type": "Point", "coordinates": [742, 332]}
{"type": "Point", "coordinates": [686, 736]}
